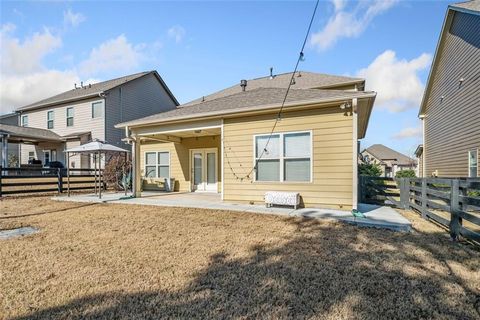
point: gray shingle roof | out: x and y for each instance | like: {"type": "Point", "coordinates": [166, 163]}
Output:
{"type": "Point", "coordinates": [261, 98]}
{"type": "Point", "coordinates": [383, 153]}
{"type": "Point", "coordinates": [469, 5]}
{"type": "Point", "coordinates": [30, 133]}
{"type": "Point", "coordinates": [91, 90]}
{"type": "Point", "coordinates": [303, 80]}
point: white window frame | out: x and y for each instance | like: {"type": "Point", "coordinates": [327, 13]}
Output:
{"type": "Point", "coordinates": [101, 102]}
{"type": "Point", "coordinates": [157, 165]}
{"type": "Point", "coordinates": [282, 157]}
{"type": "Point", "coordinates": [70, 117]}
{"type": "Point", "coordinates": [470, 164]}
{"type": "Point", "coordinates": [53, 119]}
{"type": "Point", "coordinates": [24, 123]}
{"type": "Point", "coordinates": [32, 156]}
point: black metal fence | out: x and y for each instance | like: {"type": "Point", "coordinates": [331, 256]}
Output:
{"type": "Point", "coordinates": [453, 203]}
{"type": "Point", "coordinates": [44, 180]}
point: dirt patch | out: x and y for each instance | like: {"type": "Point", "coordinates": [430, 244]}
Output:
{"type": "Point", "coordinates": [125, 261]}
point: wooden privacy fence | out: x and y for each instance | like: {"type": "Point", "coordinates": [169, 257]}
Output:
{"type": "Point", "coordinates": [42, 180]}
{"type": "Point", "coordinates": [453, 203]}
{"type": "Point", "coordinates": [378, 190]}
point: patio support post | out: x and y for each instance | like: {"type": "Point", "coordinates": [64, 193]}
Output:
{"type": "Point", "coordinates": [100, 173]}
{"type": "Point", "coordinates": [95, 173]}
{"type": "Point", "coordinates": [68, 174]}
{"type": "Point", "coordinates": [124, 176]}
{"type": "Point", "coordinates": [136, 168]}
{"type": "Point", "coordinates": [4, 151]}
{"type": "Point", "coordinates": [355, 154]}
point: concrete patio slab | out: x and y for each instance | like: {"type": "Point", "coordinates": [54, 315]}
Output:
{"type": "Point", "coordinates": [375, 216]}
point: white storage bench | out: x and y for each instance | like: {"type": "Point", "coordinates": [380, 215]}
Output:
{"type": "Point", "coordinates": [282, 198]}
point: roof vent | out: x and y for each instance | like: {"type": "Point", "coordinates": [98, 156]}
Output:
{"type": "Point", "coordinates": [243, 84]}
{"type": "Point", "coordinates": [89, 85]}
{"type": "Point", "coordinates": [271, 72]}
{"type": "Point", "coordinates": [293, 81]}
{"type": "Point", "coordinates": [75, 85]}
{"type": "Point", "coordinates": [299, 74]}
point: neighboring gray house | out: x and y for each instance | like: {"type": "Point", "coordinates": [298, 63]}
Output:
{"type": "Point", "coordinates": [450, 109]}
{"type": "Point", "coordinates": [90, 112]}
{"type": "Point", "coordinates": [389, 160]}
{"type": "Point", "coordinates": [12, 150]}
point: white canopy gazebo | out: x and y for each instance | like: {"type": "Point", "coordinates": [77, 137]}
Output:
{"type": "Point", "coordinates": [97, 149]}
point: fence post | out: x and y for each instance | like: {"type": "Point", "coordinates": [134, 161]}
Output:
{"type": "Point", "coordinates": [424, 198]}
{"type": "Point", "coordinates": [455, 219]}
{"type": "Point", "coordinates": [60, 180]}
{"type": "Point", "coordinates": [361, 190]}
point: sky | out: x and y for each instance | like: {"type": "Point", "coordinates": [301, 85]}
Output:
{"type": "Point", "coordinates": [199, 47]}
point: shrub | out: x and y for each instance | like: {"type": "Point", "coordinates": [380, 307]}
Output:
{"type": "Point", "coordinates": [113, 173]}
{"type": "Point", "coordinates": [406, 174]}
{"type": "Point", "coordinates": [369, 169]}
{"type": "Point", "coordinates": [13, 160]}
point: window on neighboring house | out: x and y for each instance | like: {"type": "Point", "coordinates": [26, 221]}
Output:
{"type": "Point", "coordinates": [157, 165]}
{"type": "Point", "coordinates": [285, 157]}
{"type": "Point", "coordinates": [472, 163]}
{"type": "Point", "coordinates": [25, 120]}
{"type": "Point", "coordinates": [50, 118]}
{"type": "Point", "coordinates": [31, 155]}
{"type": "Point", "coordinates": [97, 109]}
{"type": "Point", "coordinates": [70, 117]}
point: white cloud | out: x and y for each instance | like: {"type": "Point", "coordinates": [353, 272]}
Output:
{"type": "Point", "coordinates": [396, 81]}
{"type": "Point", "coordinates": [114, 54]}
{"type": "Point", "coordinates": [25, 79]}
{"type": "Point", "coordinates": [349, 24]}
{"type": "Point", "coordinates": [72, 18]}
{"type": "Point", "coordinates": [410, 132]}
{"type": "Point", "coordinates": [339, 4]}
{"type": "Point", "coordinates": [177, 33]}
{"type": "Point", "coordinates": [23, 57]}
{"type": "Point", "coordinates": [16, 91]}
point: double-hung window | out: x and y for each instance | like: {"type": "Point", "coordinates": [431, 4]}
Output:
{"type": "Point", "coordinates": [283, 157]}
{"type": "Point", "coordinates": [25, 120]}
{"type": "Point", "coordinates": [157, 164]}
{"type": "Point", "coordinates": [50, 118]}
{"type": "Point", "coordinates": [97, 109]}
{"type": "Point", "coordinates": [472, 163]}
{"type": "Point", "coordinates": [70, 117]}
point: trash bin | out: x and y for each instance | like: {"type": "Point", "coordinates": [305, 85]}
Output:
{"type": "Point", "coordinates": [169, 184]}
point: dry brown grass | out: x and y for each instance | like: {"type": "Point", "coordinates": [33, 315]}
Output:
{"type": "Point", "coordinates": [133, 262]}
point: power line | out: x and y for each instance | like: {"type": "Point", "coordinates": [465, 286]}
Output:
{"type": "Point", "coordinates": [279, 115]}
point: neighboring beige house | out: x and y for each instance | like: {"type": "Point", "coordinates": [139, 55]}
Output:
{"type": "Point", "coordinates": [419, 156]}
{"type": "Point", "coordinates": [218, 143]}
{"type": "Point", "coordinates": [389, 160]}
{"type": "Point", "coordinates": [89, 112]}
{"type": "Point", "coordinates": [450, 109]}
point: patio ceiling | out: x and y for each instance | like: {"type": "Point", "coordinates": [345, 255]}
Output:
{"type": "Point", "coordinates": [177, 136]}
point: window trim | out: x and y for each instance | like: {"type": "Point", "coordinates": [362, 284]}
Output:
{"type": "Point", "coordinates": [24, 116]}
{"type": "Point", "coordinates": [282, 157]}
{"type": "Point", "coordinates": [470, 164]}
{"type": "Point", "coordinates": [53, 119]}
{"type": "Point", "coordinates": [157, 165]}
{"type": "Point", "coordinates": [101, 102]}
{"type": "Point", "coordinates": [71, 117]}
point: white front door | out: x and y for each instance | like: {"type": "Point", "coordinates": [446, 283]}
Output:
{"type": "Point", "coordinates": [204, 169]}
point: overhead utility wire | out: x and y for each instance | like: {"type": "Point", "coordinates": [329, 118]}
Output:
{"type": "Point", "coordinates": [279, 115]}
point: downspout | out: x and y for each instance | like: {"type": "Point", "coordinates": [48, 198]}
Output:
{"type": "Point", "coordinates": [355, 154]}
{"type": "Point", "coordinates": [424, 164]}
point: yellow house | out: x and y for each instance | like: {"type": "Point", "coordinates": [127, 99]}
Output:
{"type": "Point", "coordinates": [237, 142]}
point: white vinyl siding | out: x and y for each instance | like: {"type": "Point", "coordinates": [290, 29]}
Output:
{"type": "Point", "coordinates": [284, 157]}
{"type": "Point", "coordinates": [472, 163]}
{"type": "Point", "coordinates": [70, 113]}
{"type": "Point", "coordinates": [157, 164]}
{"type": "Point", "coordinates": [50, 119]}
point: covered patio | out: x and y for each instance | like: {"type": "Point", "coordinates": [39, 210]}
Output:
{"type": "Point", "coordinates": [186, 155]}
